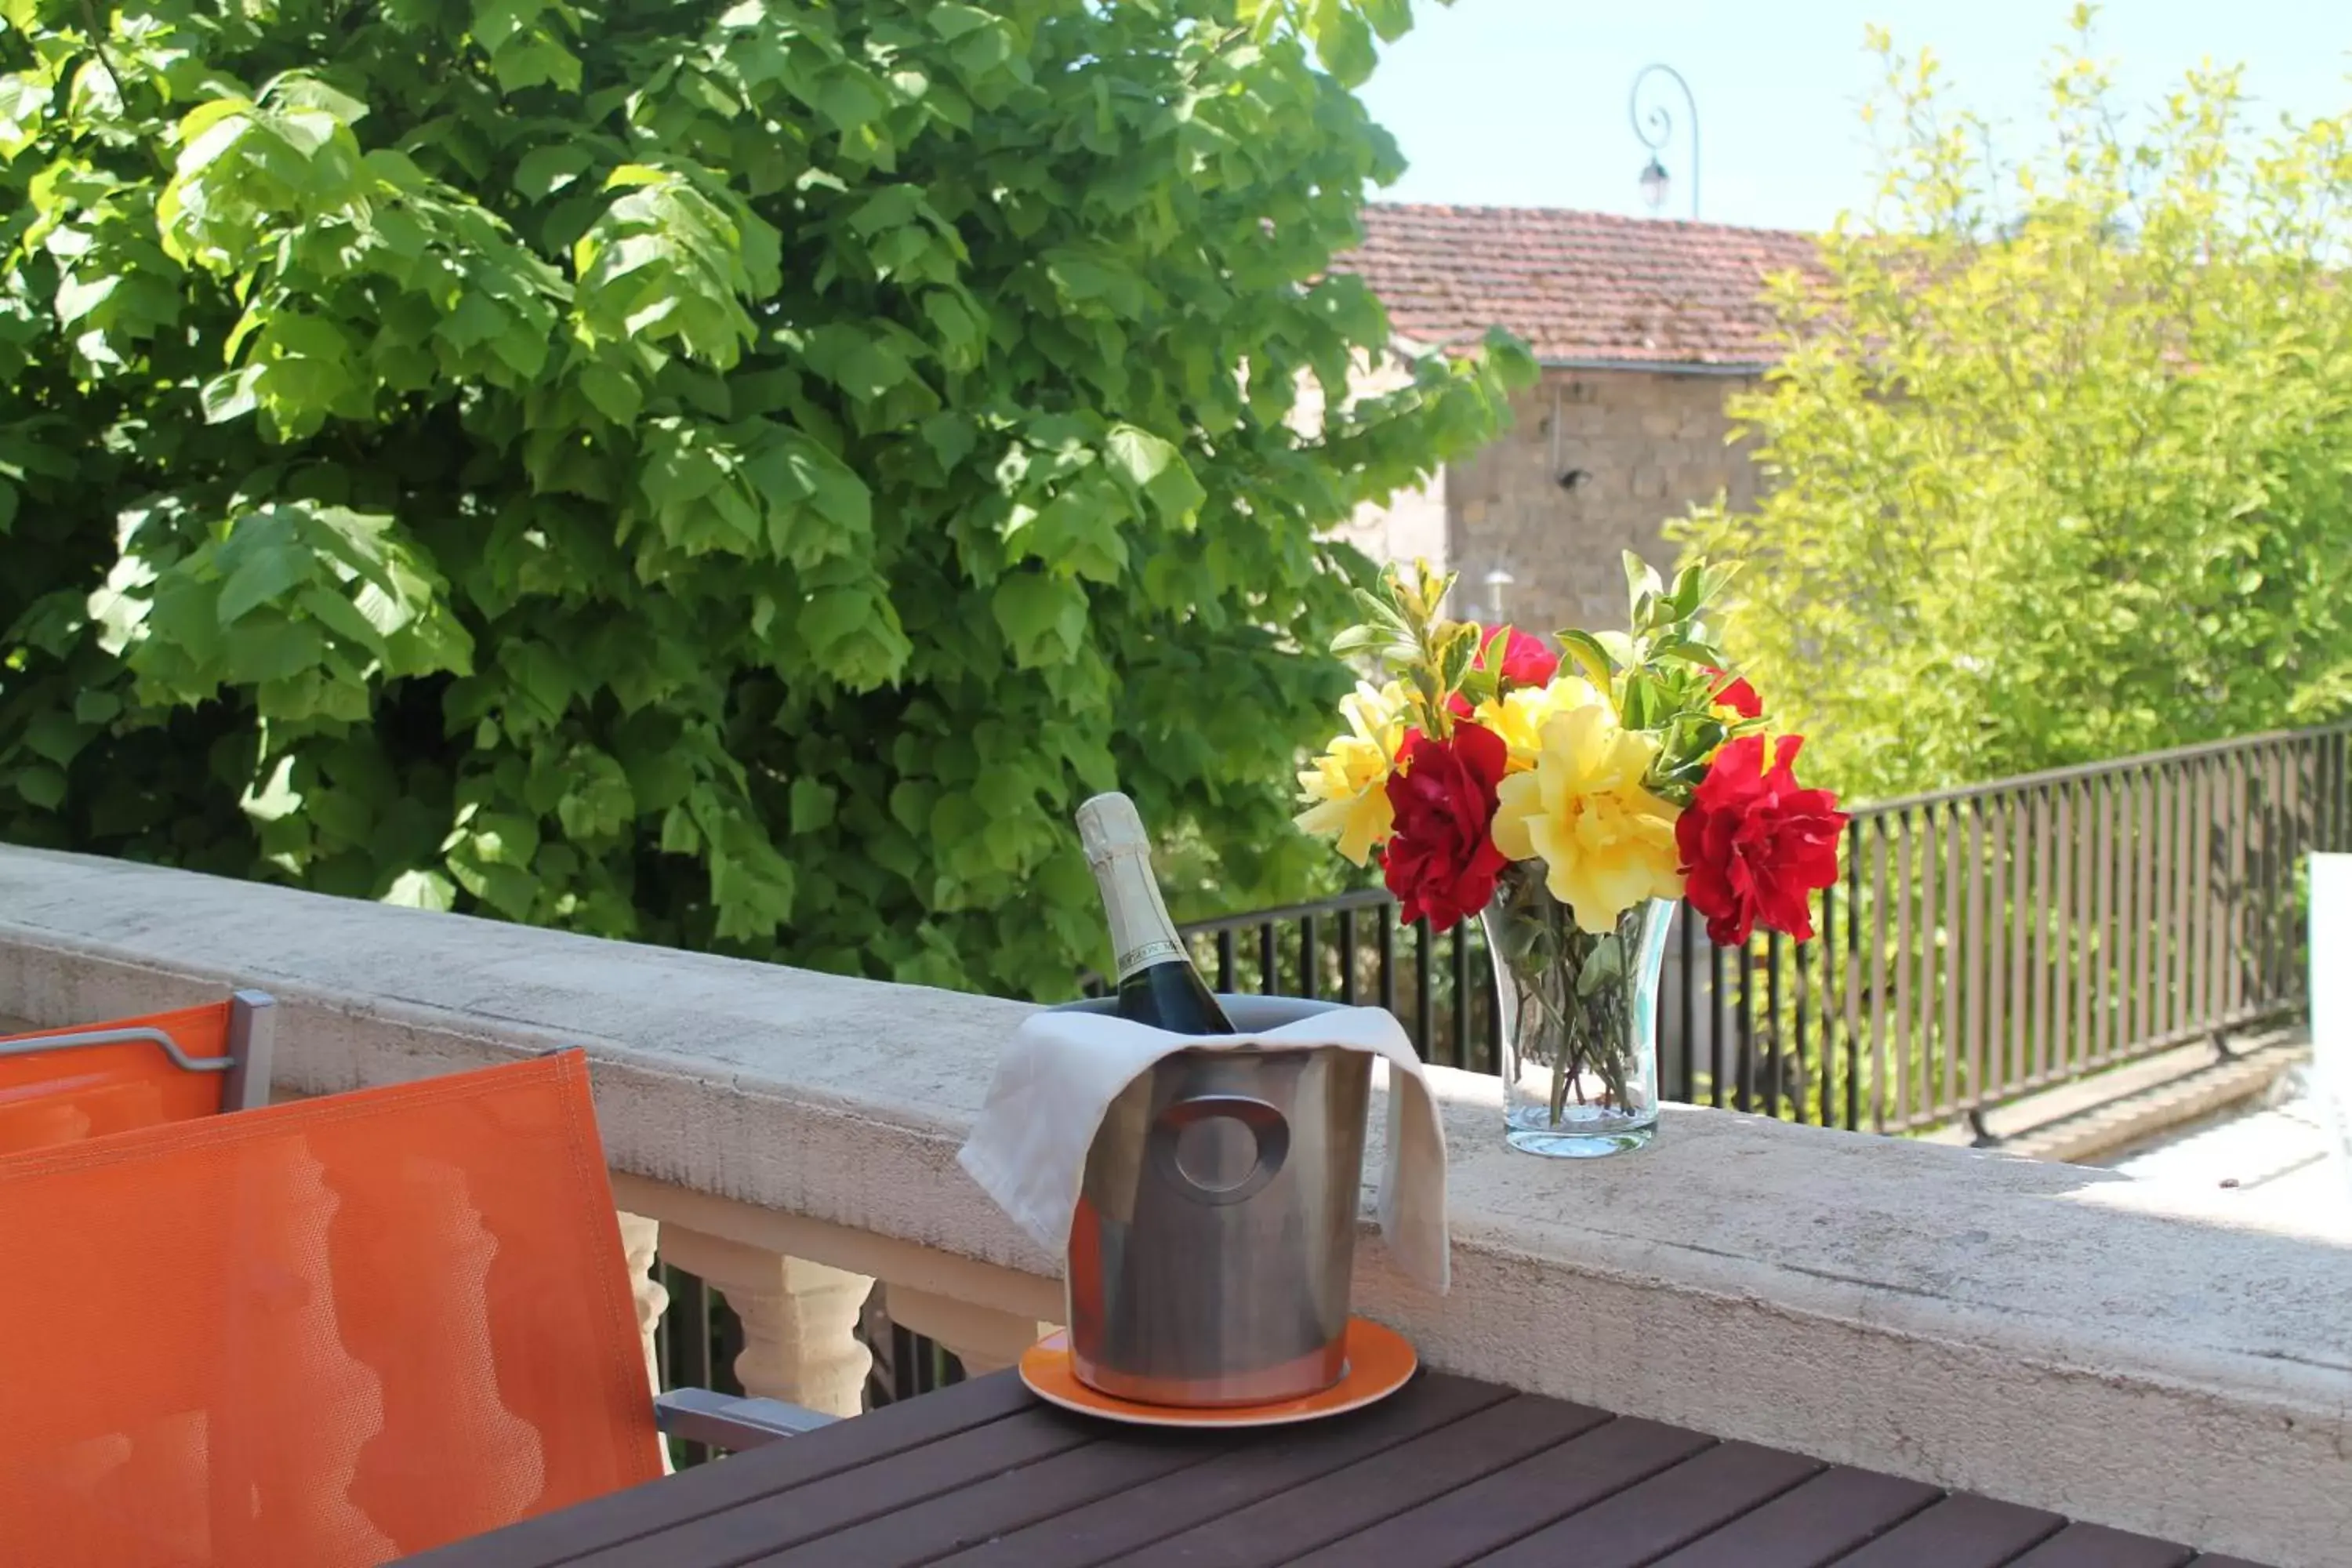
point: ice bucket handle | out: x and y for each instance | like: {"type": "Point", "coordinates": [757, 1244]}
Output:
{"type": "Point", "coordinates": [1267, 1128]}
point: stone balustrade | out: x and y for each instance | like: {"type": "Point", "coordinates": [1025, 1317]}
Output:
{"type": "Point", "coordinates": [2124, 1352]}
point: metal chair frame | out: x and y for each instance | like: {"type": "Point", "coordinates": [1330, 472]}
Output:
{"type": "Point", "coordinates": [252, 1034]}
{"type": "Point", "coordinates": [700, 1416]}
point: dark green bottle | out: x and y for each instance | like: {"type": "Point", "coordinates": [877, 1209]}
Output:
{"type": "Point", "coordinates": [1157, 982]}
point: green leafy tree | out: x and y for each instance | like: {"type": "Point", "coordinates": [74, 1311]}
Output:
{"type": "Point", "coordinates": [728, 475]}
{"type": "Point", "coordinates": [2058, 454]}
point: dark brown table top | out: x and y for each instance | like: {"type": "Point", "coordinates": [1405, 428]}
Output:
{"type": "Point", "coordinates": [1447, 1471]}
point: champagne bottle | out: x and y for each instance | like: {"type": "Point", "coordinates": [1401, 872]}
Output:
{"type": "Point", "coordinates": [1157, 982]}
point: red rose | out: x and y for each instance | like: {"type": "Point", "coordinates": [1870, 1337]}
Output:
{"type": "Point", "coordinates": [1526, 662]}
{"type": "Point", "coordinates": [1754, 845]}
{"type": "Point", "coordinates": [1441, 860]}
{"type": "Point", "coordinates": [1735, 694]}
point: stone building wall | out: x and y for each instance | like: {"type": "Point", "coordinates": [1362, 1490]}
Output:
{"type": "Point", "coordinates": [1641, 446]}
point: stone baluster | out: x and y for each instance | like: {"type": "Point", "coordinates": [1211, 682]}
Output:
{"type": "Point", "coordinates": [798, 1319]}
{"type": "Point", "coordinates": [983, 1337]}
{"type": "Point", "coordinates": [640, 1243]}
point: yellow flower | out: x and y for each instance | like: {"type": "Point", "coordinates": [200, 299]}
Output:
{"type": "Point", "coordinates": [1606, 842]}
{"type": "Point", "coordinates": [1519, 717]}
{"type": "Point", "coordinates": [1350, 782]}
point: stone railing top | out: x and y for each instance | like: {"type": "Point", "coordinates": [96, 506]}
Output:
{"type": "Point", "coordinates": [2055, 1335]}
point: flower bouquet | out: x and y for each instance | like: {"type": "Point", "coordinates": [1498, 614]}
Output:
{"type": "Point", "coordinates": [1568, 802]}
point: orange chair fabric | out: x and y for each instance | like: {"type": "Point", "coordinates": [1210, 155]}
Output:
{"type": "Point", "coordinates": [62, 1097]}
{"type": "Point", "coordinates": [317, 1335]}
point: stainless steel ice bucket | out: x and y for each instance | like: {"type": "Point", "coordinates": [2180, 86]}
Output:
{"type": "Point", "coordinates": [1215, 1230]}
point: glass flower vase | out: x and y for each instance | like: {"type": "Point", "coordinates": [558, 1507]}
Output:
{"type": "Point", "coordinates": [1580, 1020]}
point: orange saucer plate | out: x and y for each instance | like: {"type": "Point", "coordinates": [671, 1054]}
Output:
{"type": "Point", "coordinates": [1380, 1363]}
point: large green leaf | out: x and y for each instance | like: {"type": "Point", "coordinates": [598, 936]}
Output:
{"type": "Point", "coordinates": [1045, 618]}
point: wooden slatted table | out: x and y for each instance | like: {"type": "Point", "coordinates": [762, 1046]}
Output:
{"type": "Point", "coordinates": [1447, 1471]}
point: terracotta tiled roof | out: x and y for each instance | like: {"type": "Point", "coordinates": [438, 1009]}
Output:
{"type": "Point", "coordinates": [1579, 286]}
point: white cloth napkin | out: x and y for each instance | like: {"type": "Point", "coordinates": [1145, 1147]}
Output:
{"type": "Point", "coordinates": [1062, 1070]}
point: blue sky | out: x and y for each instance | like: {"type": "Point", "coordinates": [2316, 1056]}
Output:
{"type": "Point", "coordinates": [1522, 102]}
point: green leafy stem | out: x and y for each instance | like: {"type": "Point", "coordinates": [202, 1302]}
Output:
{"type": "Point", "coordinates": [1574, 992]}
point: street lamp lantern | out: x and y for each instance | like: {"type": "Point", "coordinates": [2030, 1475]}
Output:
{"type": "Point", "coordinates": [1655, 128]}
{"type": "Point", "coordinates": [1655, 184]}
{"type": "Point", "coordinates": [1497, 580]}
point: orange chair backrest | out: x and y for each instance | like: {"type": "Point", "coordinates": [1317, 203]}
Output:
{"type": "Point", "coordinates": [317, 1335]}
{"type": "Point", "coordinates": [61, 1096]}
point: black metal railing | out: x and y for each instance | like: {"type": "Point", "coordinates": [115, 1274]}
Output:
{"type": "Point", "coordinates": [1984, 944]}
{"type": "Point", "coordinates": [701, 1336]}
{"type": "Point", "coordinates": [1351, 949]}
{"type": "Point", "coordinates": [694, 1346]}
